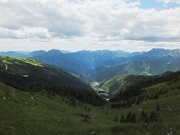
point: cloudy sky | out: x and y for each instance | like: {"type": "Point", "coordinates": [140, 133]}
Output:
{"type": "Point", "coordinates": [130, 25]}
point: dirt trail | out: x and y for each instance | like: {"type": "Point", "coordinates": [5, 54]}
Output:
{"type": "Point", "coordinates": [6, 66]}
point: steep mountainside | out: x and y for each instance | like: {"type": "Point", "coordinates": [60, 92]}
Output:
{"type": "Point", "coordinates": [22, 71]}
{"type": "Point", "coordinates": [138, 88]}
{"type": "Point", "coordinates": [77, 62]}
{"type": "Point", "coordinates": [120, 82]}
{"type": "Point", "coordinates": [135, 68]}
{"type": "Point", "coordinates": [93, 59]}
{"type": "Point", "coordinates": [56, 57]}
{"type": "Point", "coordinates": [37, 53]}
{"type": "Point", "coordinates": [152, 55]}
{"type": "Point", "coordinates": [159, 53]}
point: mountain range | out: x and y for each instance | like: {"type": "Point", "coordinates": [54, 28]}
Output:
{"type": "Point", "coordinates": [148, 68]}
{"type": "Point", "coordinates": [49, 92]}
{"type": "Point", "coordinates": [104, 64]}
{"type": "Point", "coordinates": [84, 61]}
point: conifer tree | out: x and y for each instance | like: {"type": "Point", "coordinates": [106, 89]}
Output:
{"type": "Point", "coordinates": [133, 117]}
{"type": "Point", "coordinates": [158, 108]}
{"type": "Point", "coordinates": [129, 117]}
{"type": "Point", "coordinates": [116, 118]}
{"type": "Point", "coordinates": [142, 113]}
{"type": "Point", "coordinates": [122, 120]}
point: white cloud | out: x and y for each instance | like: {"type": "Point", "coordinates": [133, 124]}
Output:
{"type": "Point", "coordinates": [88, 22]}
{"type": "Point", "coordinates": [24, 32]}
{"type": "Point", "coordinates": [169, 1]}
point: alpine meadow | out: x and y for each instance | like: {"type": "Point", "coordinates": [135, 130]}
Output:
{"type": "Point", "coordinates": [89, 67]}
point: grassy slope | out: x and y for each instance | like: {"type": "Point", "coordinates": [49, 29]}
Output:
{"type": "Point", "coordinates": [28, 70]}
{"type": "Point", "coordinates": [20, 114]}
{"type": "Point", "coordinates": [170, 108]}
{"type": "Point", "coordinates": [120, 82]}
{"type": "Point", "coordinates": [114, 83]}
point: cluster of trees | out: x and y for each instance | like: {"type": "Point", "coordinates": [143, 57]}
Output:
{"type": "Point", "coordinates": [123, 104]}
{"type": "Point", "coordinates": [131, 117]}
{"type": "Point", "coordinates": [137, 90]}
{"type": "Point", "coordinates": [86, 117]}
{"type": "Point", "coordinates": [153, 116]}
{"type": "Point", "coordinates": [137, 100]}
{"type": "Point", "coordinates": [72, 102]}
{"type": "Point", "coordinates": [72, 93]}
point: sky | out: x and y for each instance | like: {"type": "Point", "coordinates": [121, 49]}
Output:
{"type": "Point", "coordinates": [73, 25]}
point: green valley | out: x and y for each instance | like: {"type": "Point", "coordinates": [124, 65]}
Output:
{"type": "Point", "coordinates": [89, 67]}
{"type": "Point", "coordinates": [139, 97]}
{"type": "Point", "coordinates": [48, 112]}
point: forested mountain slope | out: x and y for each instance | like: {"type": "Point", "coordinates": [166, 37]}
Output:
{"type": "Point", "coordinates": [21, 71]}
{"type": "Point", "coordinates": [135, 68]}
{"type": "Point", "coordinates": [56, 57]}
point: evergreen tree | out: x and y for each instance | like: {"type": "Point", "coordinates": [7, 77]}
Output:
{"type": "Point", "coordinates": [133, 117]}
{"type": "Point", "coordinates": [129, 117]}
{"type": "Point", "coordinates": [142, 113]}
{"type": "Point", "coordinates": [112, 105]}
{"type": "Point", "coordinates": [142, 116]}
{"type": "Point", "coordinates": [116, 118]}
{"type": "Point", "coordinates": [122, 120]}
{"type": "Point", "coordinates": [153, 117]}
{"type": "Point", "coordinates": [158, 108]}
{"type": "Point", "coordinates": [137, 103]}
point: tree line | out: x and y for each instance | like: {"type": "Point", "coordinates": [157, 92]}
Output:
{"type": "Point", "coordinates": [144, 117]}
{"type": "Point", "coordinates": [85, 96]}
{"type": "Point", "coordinates": [137, 89]}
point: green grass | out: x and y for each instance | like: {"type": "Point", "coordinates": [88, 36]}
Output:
{"type": "Point", "coordinates": [31, 62]}
{"type": "Point", "coordinates": [24, 113]}
{"type": "Point", "coordinates": [111, 84]}
{"type": "Point", "coordinates": [7, 62]}
{"type": "Point", "coordinates": [13, 62]}
{"type": "Point", "coordinates": [20, 114]}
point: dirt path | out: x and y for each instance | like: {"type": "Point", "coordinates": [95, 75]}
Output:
{"type": "Point", "coordinates": [6, 66]}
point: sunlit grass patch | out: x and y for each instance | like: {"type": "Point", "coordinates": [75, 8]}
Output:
{"type": "Point", "coordinates": [7, 62]}
{"type": "Point", "coordinates": [31, 61]}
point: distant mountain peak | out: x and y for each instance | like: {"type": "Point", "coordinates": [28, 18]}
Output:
{"type": "Point", "coordinates": [54, 50]}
